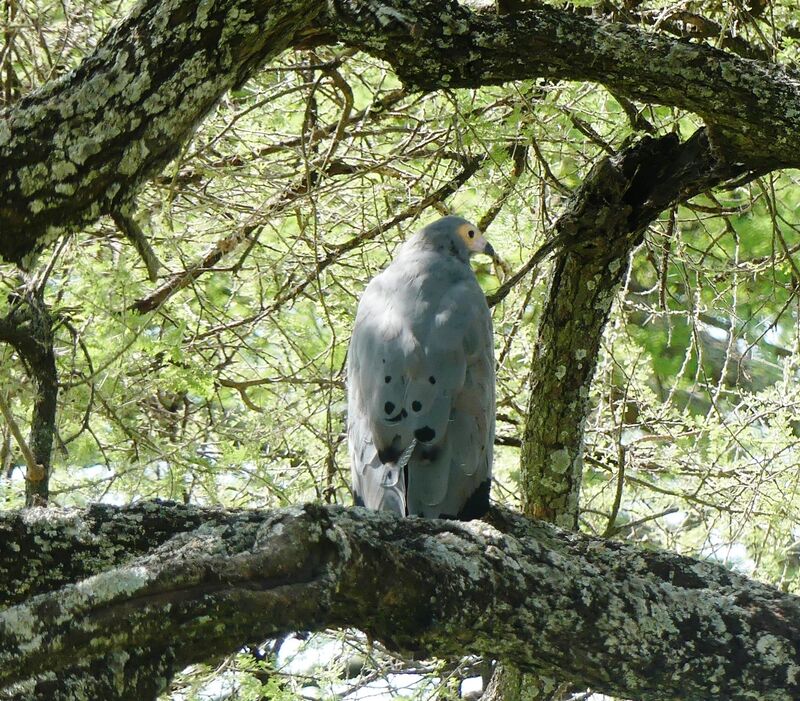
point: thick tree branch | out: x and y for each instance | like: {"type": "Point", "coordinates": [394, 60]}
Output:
{"type": "Point", "coordinates": [751, 107]}
{"type": "Point", "coordinates": [146, 673]}
{"type": "Point", "coordinates": [84, 544]}
{"type": "Point", "coordinates": [83, 145]}
{"type": "Point", "coordinates": [620, 619]}
{"type": "Point", "coordinates": [594, 236]}
{"type": "Point", "coordinates": [598, 230]}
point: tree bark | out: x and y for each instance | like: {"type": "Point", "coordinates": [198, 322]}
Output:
{"type": "Point", "coordinates": [81, 146]}
{"type": "Point", "coordinates": [631, 623]}
{"type": "Point", "coordinates": [600, 227]}
{"type": "Point", "coordinates": [28, 328]}
{"type": "Point", "coordinates": [751, 107]}
{"type": "Point", "coordinates": [620, 619]}
{"type": "Point", "coordinates": [121, 675]}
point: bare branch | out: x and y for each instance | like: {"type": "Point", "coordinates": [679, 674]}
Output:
{"type": "Point", "coordinates": [34, 470]}
{"type": "Point", "coordinates": [127, 224]}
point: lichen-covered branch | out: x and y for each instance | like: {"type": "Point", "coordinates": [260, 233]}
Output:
{"type": "Point", "coordinates": [598, 230]}
{"type": "Point", "coordinates": [82, 145]}
{"type": "Point", "coordinates": [121, 675]}
{"type": "Point", "coordinates": [72, 546]}
{"type": "Point", "coordinates": [623, 620]}
{"type": "Point", "coordinates": [751, 107]}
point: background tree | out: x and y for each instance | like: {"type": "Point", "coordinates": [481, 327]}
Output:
{"type": "Point", "coordinates": [194, 227]}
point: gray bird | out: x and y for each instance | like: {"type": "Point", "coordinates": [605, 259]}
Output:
{"type": "Point", "coordinates": [420, 378]}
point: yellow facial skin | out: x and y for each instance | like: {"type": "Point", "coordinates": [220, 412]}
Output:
{"type": "Point", "coordinates": [472, 236]}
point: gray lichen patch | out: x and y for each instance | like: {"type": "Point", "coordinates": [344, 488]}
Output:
{"type": "Point", "coordinates": [560, 461]}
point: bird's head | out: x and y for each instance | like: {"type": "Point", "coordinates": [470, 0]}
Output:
{"type": "Point", "coordinates": [457, 232]}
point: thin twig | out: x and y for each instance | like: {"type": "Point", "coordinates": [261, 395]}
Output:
{"type": "Point", "coordinates": [135, 235]}
{"type": "Point", "coordinates": [541, 253]}
{"type": "Point", "coordinates": [471, 166]}
{"type": "Point", "coordinates": [34, 469]}
{"type": "Point", "coordinates": [610, 533]}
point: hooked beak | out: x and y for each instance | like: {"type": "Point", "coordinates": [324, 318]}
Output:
{"type": "Point", "coordinates": [481, 245]}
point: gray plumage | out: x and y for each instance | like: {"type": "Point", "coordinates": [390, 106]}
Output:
{"type": "Point", "coordinates": [420, 375]}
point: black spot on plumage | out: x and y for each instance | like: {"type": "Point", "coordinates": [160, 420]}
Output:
{"type": "Point", "coordinates": [415, 405]}
{"type": "Point", "coordinates": [392, 452]}
{"type": "Point", "coordinates": [425, 434]}
{"type": "Point", "coordinates": [387, 379]}
{"type": "Point", "coordinates": [476, 506]}
{"type": "Point", "coordinates": [432, 380]}
{"type": "Point", "coordinates": [388, 407]}
{"type": "Point", "coordinates": [358, 501]}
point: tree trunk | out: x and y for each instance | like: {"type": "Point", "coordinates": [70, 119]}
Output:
{"type": "Point", "coordinates": [600, 227]}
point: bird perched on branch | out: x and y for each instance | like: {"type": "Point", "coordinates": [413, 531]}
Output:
{"type": "Point", "coordinates": [420, 378]}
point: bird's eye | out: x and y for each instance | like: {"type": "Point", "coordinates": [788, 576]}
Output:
{"type": "Point", "coordinates": [471, 233]}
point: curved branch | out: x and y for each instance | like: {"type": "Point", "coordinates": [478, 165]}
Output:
{"type": "Point", "coordinates": [621, 619]}
{"type": "Point", "coordinates": [597, 232]}
{"type": "Point", "coordinates": [82, 146]}
{"type": "Point", "coordinates": [751, 107]}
